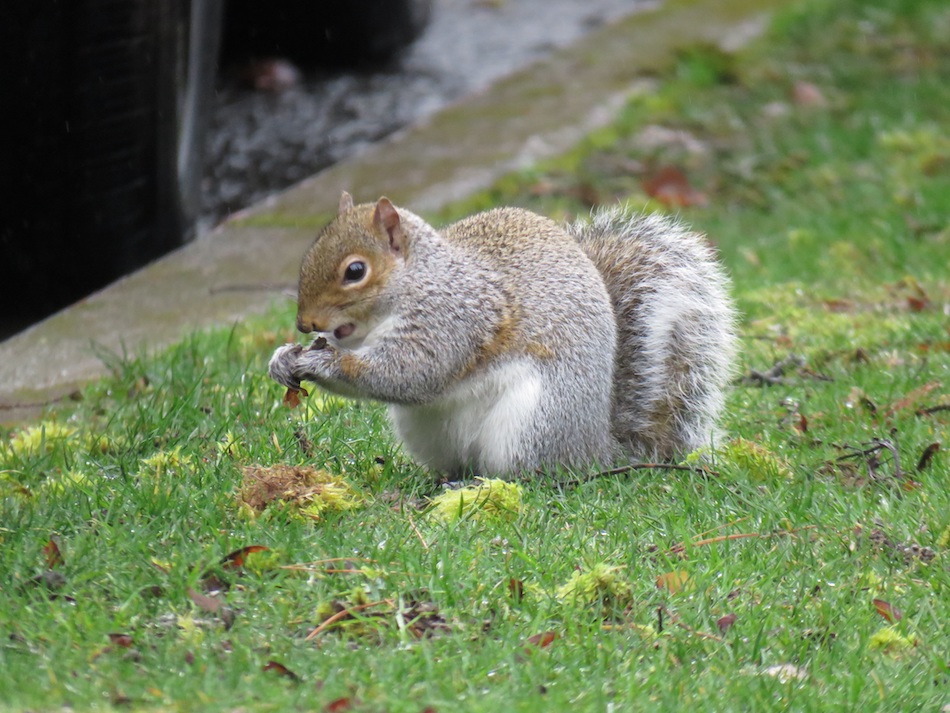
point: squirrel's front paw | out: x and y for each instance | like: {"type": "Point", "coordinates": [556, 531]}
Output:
{"type": "Point", "coordinates": [313, 363]}
{"type": "Point", "coordinates": [283, 363]}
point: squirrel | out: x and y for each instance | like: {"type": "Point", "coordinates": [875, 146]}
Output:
{"type": "Point", "coordinates": [506, 343]}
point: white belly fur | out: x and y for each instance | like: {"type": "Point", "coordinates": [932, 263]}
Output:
{"type": "Point", "coordinates": [479, 424]}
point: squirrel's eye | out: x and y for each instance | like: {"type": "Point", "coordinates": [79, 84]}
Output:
{"type": "Point", "coordinates": [355, 271]}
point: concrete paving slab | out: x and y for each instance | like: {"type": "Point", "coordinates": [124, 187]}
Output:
{"type": "Point", "coordinates": [538, 112]}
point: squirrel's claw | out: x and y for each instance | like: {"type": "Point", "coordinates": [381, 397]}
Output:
{"type": "Point", "coordinates": [282, 364]}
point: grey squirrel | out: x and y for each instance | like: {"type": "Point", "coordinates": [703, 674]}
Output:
{"type": "Point", "coordinates": [506, 343]}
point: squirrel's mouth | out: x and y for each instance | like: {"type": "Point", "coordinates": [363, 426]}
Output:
{"type": "Point", "coordinates": [344, 330]}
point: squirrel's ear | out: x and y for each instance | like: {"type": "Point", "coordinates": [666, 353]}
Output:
{"type": "Point", "coordinates": [346, 202]}
{"type": "Point", "coordinates": [385, 218]}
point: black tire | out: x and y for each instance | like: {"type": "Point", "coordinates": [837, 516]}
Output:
{"type": "Point", "coordinates": [329, 32]}
{"type": "Point", "coordinates": [101, 168]}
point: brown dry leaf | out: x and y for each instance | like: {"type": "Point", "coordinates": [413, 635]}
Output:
{"type": "Point", "coordinates": [911, 398]}
{"type": "Point", "coordinates": [674, 582]}
{"type": "Point", "coordinates": [543, 640]}
{"type": "Point", "coordinates": [671, 187]}
{"type": "Point", "coordinates": [725, 623]}
{"type": "Point", "coordinates": [123, 641]}
{"type": "Point", "coordinates": [917, 304]}
{"type": "Point", "coordinates": [516, 589]}
{"type": "Point", "coordinates": [802, 425]}
{"type": "Point", "coordinates": [209, 604]}
{"type": "Point", "coordinates": [927, 456]}
{"type": "Point", "coordinates": [54, 558]}
{"type": "Point", "coordinates": [292, 397]}
{"type": "Point", "coordinates": [808, 94]}
{"type": "Point", "coordinates": [888, 610]}
{"type": "Point", "coordinates": [340, 705]}
{"type": "Point", "coordinates": [235, 560]}
{"type": "Point", "coordinates": [840, 306]}
{"type": "Point", "coordinates": [280, 669]}
{"type": "Point", "coordinates": [538, 641]}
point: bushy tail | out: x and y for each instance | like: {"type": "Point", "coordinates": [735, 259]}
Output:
{"type": "Point", "coordinates": [675, 330]}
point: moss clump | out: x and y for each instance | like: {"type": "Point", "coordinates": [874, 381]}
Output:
{"type": "Point", "coordinates": [601, 585]}
{"type": "Point", "coordinates": [488, 499]}
{"type": "Point", "coordinates": [889, 641]}
{"type": "Point", "coordinates": [302, 491]}
{"type": "Point", "coordinates": [745, 457]}
{"type": "Point", "coordinates": [30, 442]}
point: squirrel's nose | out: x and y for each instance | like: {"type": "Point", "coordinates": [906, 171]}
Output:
{"type": "Point", "coordinates": [308, 325]}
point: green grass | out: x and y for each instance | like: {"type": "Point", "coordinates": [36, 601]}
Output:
{"type": "Point", "coordinates": [833, 220]}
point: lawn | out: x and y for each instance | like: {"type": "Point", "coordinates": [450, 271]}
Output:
{"type": "Point", "coordinates": [181, 539]}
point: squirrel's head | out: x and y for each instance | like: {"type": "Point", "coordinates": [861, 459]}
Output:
{"type": "Point", "coordinates": [344, 274]}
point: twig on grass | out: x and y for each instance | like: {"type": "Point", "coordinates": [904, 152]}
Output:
{"type": "Point", "coordinates": [696, 632]}
{"type": "Point", "coordinates": [415, 529]}
{"type": "Point", "coordinates": [343, 615]}
{"type": "Point", "coordinates": [872, 461]}
{"type": "Point", "coordinates": [776, 374]}
{"type": "Point", "coordinates": [927, 411]}
{"type": "Point", "coordinates": [630, 467]}
{"type": "Point", "coordinates": [679, 548]}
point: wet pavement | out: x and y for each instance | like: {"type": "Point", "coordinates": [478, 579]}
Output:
{"type": "Point", "coordinates": [261, 141]}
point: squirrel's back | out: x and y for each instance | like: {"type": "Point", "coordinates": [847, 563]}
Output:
{"type": "Point", "coordinates": [675, 330]}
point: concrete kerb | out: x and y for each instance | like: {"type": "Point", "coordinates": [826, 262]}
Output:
{"type": "Point", "coordinates": [244, 264]}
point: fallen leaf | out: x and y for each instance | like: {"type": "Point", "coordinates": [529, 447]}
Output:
{"type": "Point", "coordinates": [725, 623]}
{"type": "Point", "coordinates": [339, 705]}
{"type": "Point", "coordinates": [802, 425]}
{"type": "Point", "coordinates": [888, 610]}
{"type": "Point", "coordinates": [808, 94]}
{"type": "Point", "coordinates": [839, 305]}
{"type": "Point", "coordinates": [516, 589]}
{"type": "Point", "coordinates": [54, 558]}
{"type": "Point", "coordinates": [927, 456]}
{"type": "Point", "coordinates": [280, 669]}
{"type": "Point", "coordinates": [235, 560]}
{"type": "Point", "coordinates": [917, 304]}
{"type": "Point", "coordinates": [292, 397]}
{"type": "Point", "coordinates": [671, 187]}
{"type": "Point", "coordinates": [209, 604]}
{"type": "Point", "coordinates": [673, 582]}
{"type": "Point", "coordinates": [121, 640]}
{"type": "Point", "coordinates": [543, 640]}
{"type": "Point", "coordinates": [911, 398]}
